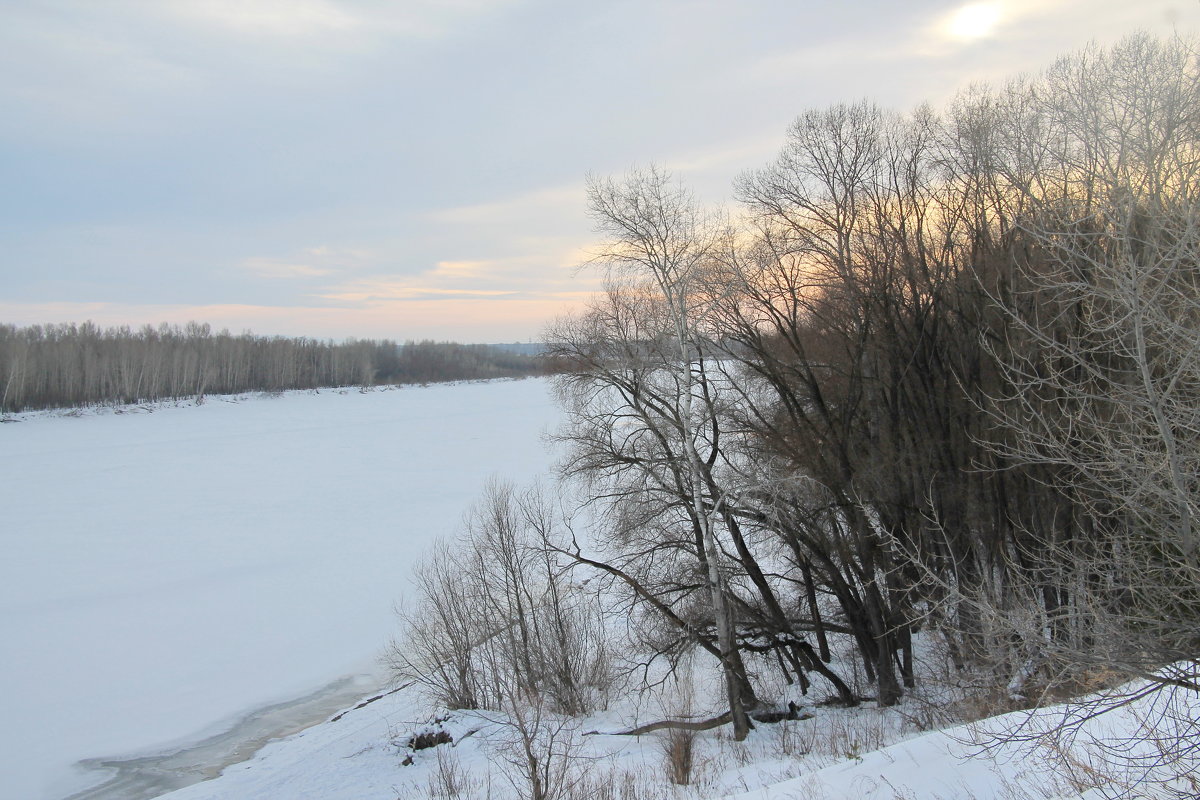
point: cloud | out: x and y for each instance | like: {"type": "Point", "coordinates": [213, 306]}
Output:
{"type": "Point", "coordinates": [284, 18]}
{"type": "Point", "coordinates": [517, 251]}
{"type": "Point", "coordinates": [866, 53]}
{"type": "Point", "coordinates": [524, 277]}
{"type": "Point", "coordinates": [834, 55]}
{"type": "Point", "coordinates": [530, 243]}
{"type": "Point", "coordinates": [461, 269]}
{"type": "Point", "coordinates": [972, 21]}
{"type": "Point", "coordinates": [272, 268]}
{"type": "Point", "coordinates": [144, 67]}
{"type": "Point", "coordinates": [543, 273]}
{"type": "Point", "coordinates": [931, 57]}
{"type": "Point", "coordinates": [58, 71]}
{"type": "Point", "coordinates": [1057, 25]}
{"type": "Point", "coordinates": [400, 288]}
{"type": "Point", "coordinates": [734, 155]}
{"type": "Point", "coordinates": [547, 202]}
{"type": "Point", "coordinates": [311, 262]}
{"type": "Point", "coordinates": [330, 21]}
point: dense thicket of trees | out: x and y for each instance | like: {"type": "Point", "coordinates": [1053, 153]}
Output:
{"type": "Point", "coordinates": [941, 372]}
{"type": "Point", "coordinates": [58, 366]}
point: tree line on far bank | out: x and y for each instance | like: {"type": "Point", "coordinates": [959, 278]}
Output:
{"type": "Point", "coordinates": [74, 365]}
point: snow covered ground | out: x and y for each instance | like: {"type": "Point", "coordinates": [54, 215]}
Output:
{"type": "Point", "coordinates": [165, 572]}
{"type": "Point", "coordinates": [184, 584]}
{"type": "Point", "coordinates": [828, 754]}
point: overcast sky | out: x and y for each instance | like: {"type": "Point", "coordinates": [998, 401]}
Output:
{"type": "Point", "coordinates": [415, 168]}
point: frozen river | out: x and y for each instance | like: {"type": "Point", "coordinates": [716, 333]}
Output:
{"type": "Point", "coordinates": [163, 574]}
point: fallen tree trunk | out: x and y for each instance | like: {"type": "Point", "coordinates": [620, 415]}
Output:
{"type": "Point", "coordinates": [764, 715]}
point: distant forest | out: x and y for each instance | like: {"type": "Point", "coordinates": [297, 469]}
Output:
{"type": "Point", "coordinates": [72, 365]}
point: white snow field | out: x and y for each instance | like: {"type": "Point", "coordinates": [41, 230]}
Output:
{"type": "Point", "coordinates": [166, 572]}
{"type": "Point", "coordinates": [829, 754]}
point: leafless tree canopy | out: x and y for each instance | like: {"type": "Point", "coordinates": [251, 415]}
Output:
{"type": "Point", "coordinates": [941, 372]}
{"type": "Point", "coordinates": [496, 622]}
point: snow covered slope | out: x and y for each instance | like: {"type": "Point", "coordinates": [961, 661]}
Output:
{"type": "Point", "coordinates": [165, 572]}
{"type": "Point", "coordinates": [830, 754]}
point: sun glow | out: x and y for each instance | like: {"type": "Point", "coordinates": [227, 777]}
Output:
{"type": "Point", "coordinates": [973, 21]}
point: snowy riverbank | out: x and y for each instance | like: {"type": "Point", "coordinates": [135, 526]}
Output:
{"type": "Point", "coordinates": [828, 754]}
{"type": "Point", "coordinates": [184, 584]}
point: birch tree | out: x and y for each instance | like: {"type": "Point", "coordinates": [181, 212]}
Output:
{"type": "Point", "coordinates": [658, 243]}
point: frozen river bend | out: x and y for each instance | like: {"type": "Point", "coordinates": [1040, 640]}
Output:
{"type": "Point", "coordinates": [164, 573]}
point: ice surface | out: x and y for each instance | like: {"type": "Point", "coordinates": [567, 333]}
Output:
{"type": "Point", "coordinates": [163, 573]}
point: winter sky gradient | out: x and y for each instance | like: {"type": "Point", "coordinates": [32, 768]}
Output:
{"type": "Point", "coordinates": [415, 168]}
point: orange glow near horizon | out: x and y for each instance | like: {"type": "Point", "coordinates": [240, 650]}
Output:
{"type": "Point", "coordinates": [464, 319]}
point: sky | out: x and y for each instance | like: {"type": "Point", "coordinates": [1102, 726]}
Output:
{"type": "Point", "coordinates": [414, 169]}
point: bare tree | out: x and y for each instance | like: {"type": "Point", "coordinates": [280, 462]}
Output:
{"type": "Point", "coordinates": [946, 374]}
{"type": "Point", "coordinates": [539, 751]}
{"type": "Point", "coordinates": [1098, 351]}
{"type": "Point", "coordinates": [495, 616]}
{"type": "Point", "coordinates": [659, 242]}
